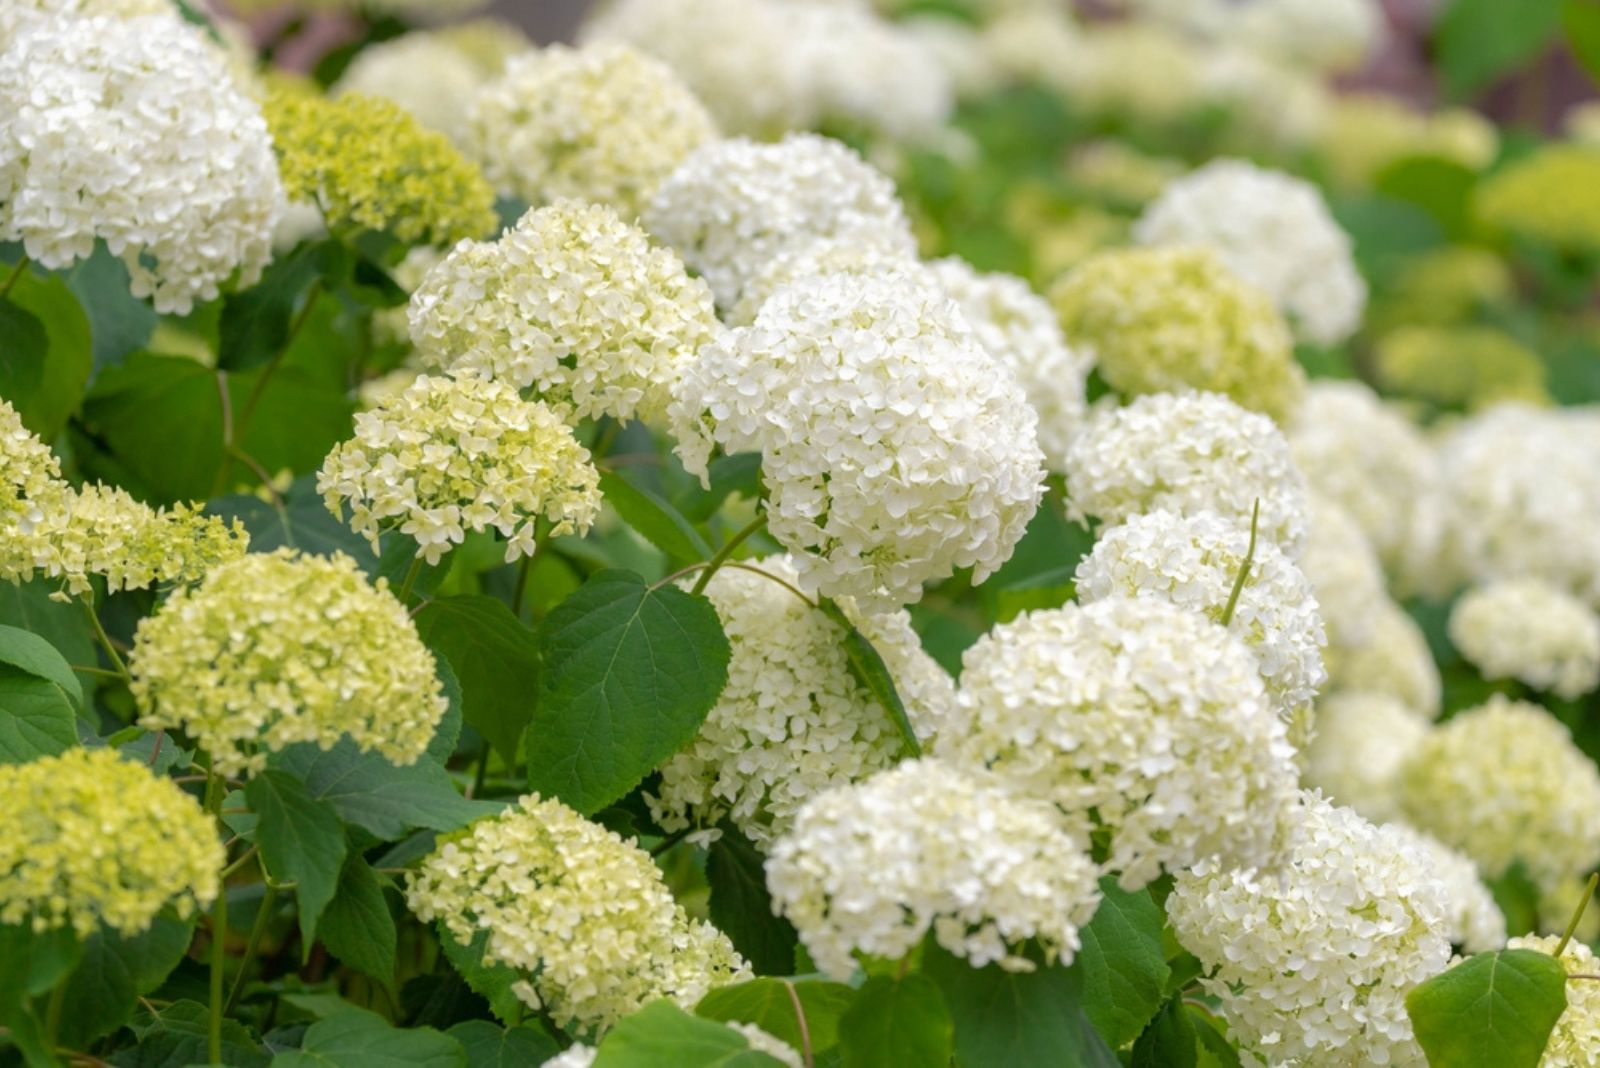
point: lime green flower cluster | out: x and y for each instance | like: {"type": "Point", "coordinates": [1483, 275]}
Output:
{"type": "Point", "coordinates": [92, 839]}
{"type": "Point", "coordinates": [1443, 287]}
{"type": "Point", "coordinates": [1169, 319]}
{"type": "Point", "coordinates": [1367, 132]}
{"type": "Point", "coordinates": [367, 164]}
{"type": "Point", "coordinates": [1552, 196]}
{"type": "Point", "coordinates": [1459, 367]}
{"type": "Point", "coordinates": [275, 649]}
{"type": "Point", "coordinates": [31, 492]}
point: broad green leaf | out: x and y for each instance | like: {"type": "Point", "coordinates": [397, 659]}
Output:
{"type": "Point", "coordinates": [654, 518]}
{"type": "Point", "coordinates": [28, 607]}
{"type": "Point", "coordinates": [897, 1021]}
{"type": "Point", "coordinates": [491, 1046]}
{"type": "Point", "coordinates": [34, 964]}
{"type": "Point", "coordinates": [33, 655]}
{"type": "Point", "coordinates": [1124, 969]}
{"type": "Point", "coordinates": [1441, 187]}
{"type": "Point", "coordinates": [302, 521]}
{"type": "Point", "coordinates": [176, 1036]}
{"type": "Point", "coordinates": [496, 660]}
{"type": "Point", "coordinates": [54, 394]}
{"type": "Point", "coordinates": [741, 907]}
{"type": "Point", "coordinates": [1493, 1010]}
{"type": "Point", "coordinates": [39, 698]}
{"type": "Point", "coordinates": [1214, 1050]}
{"type": "Point", "coordinates": [738, 475]}
{"type": "Point", "coordinates": [361, 1039]}
{"type": "Point", "coordinates": [106, 986]}
{"type": "Point", "coordinates": [357, 926]}
{"type": "Point", "coordinates": [629, 673]}
{"type": "Point", "coordinates": [868, 668]}
{"type": "Point", "coordinates": [1479, 41]}
{"type": "Point", "coordinates": [1580, 21]}
{"type": "Point", "coordinates": [255, 322]}
{"type": "Point", "coordinates": [119, 322]}
{"type": "Point", "coordinates": [375, 795]}
{"type": "Point", "coordinates": [1170, 1040]}
{"type": "Point", "coordinates": [302, 840]}
{"type": "Point", "coordinates": [1006, 1017]}
{"type": "Point", "coordinates": [776, 1005]}
{"type": "Point", "coordinates": [23, 353]}
{"type": "Point", "coordinates": [1386, 232]}
{"type": "Point", "coordinates": [490, 981]}
{"type": "Point", "coordinates": [662, 1034]}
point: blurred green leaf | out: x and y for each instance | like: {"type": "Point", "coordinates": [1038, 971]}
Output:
{"type": "Point", "coordinates": [1479, 41]}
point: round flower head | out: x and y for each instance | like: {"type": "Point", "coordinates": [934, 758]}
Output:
{"type": "Point", "coordinates": [1187, 453]}
{"type": "Point", "coordinates": [1343, 571]}
{"type": "Point", "coordinates": [1460, 367]}
{"type": "Point", "coordinates": [1331, 35]}
{"type": "Point", "coordinates": [424, 73]}
{"type": "Point", "coordinates": [1371, 461]}
{"type": "Point", "coordinates": [1336, 939]}
{"type": "Point", "coordinates": [94, 840]}
{"type": "Point", "coordinates": [277, 648]}
{"type": "Point", "coordinates": [1275, 232]}
{"type": "Point", "coordinates": [1161, 320]}
{"type": "Point", "coordinates": [1194, 562]}
{"type": "Point", "coordinates": [18, 15]}
{"type": "Point", "coordinates": [1529, 630]}
{"type": "Point", "coordinates": [1575, 1042]}
{"type": "Point", "coordinates": [1549, 196]}
{"type": "Point", "coordinates": [451, 455]}
{"type": "Point", "coordinates": [368, 165]}
{"type": "Point", "coordinates": [792, 720]}
{"type": "Point", "coordinates": [1147, 718]}
{"type": "Point", "coordinates": [1018, 328]}
{"type": "Point", "coordinates": [581, 913]}
{"type": "Point", "coordinates": [872, 867]}
{"type": "Point", "coordinates": [1446, 286]}
{"type": "Point", "coordinates": [822, 258]}
{"type": "Point", "coordinates": [733, 206]}
{"type": "Point", "coordinates": [572, 303]}
{"type": "Point", "coordinates": [31, 495]}
{"type": "Point", "coordinates": [1361, 742]}
{"type": "Point", "coordinates": [1503, 783]}
{"type": "Point", "coordinates": [1394, 659]}
{"type": "Point", "coordinates": [132, 132]}
{"type": "Point", "coordinates": [894, 448]}
{"type": "Point", "coordinates": [603, 123]}
{"type": "Point", "coordinates": [1472, 919]}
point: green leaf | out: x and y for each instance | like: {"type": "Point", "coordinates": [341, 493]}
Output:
{"type": "Point", "coordinates": [1580, 19]}
{"type": "Point", "coordinates": [39, 698]}
{"type": "Point", "coordinates": [776, 1005]}
{"type": "Point", "coordinates": [1006, 1017]}
{"type": "Point", "coordinates": [494, 657]}
{"type": "Point", "coordinates": [22, 357]}
{"type": "Point", "coordinates": [1494, 1010]}
{"type": "Point", "coordinates": [868, 668]}
{"type": "Point", "coordinates": [106, 986]}
{"type": "Point", "coordinates": [1479, 41]}
{"type": "Point", "coordinates": [1518, 897]}
{"type": "Point", "coordinates": [489, 1046]}
{"type": "Point", "coordinates": [742, 908]}
{"type": "Point", "coordinates": [33, 655]}
{"type": "Point", "coordinates": [361, 1039]}
{"type": "Point", "coordinates": [302, 521]}
{"type": "Point", "coordinates": [1441, 187]}
{"type": "Point", "coordinates": [177, 1037]}
{"type": "Point", "coordinates": [119, 322]}
{"type": "Point", "coordinates": [357, 926]}
{"type": "Point", "coordinates": [663, 1034]}
{"type": "Point", "coordinates": [1214, 1051]}
{"type": "Point", "coordinates": [1170, 1040]}
{"type": "Point", "coordinates": [492, 982]}
{"type": "Point", "coordinates": [27, 606]}
{"type": "Point", "coordinates": [302, 841]}
{"type": "Point", "coordinates": [53, 394]}
{"type": "Point", "coordinates": [629, 674]}
{"type": "Point", "coordinates": [255, 322]}
{"type": "Point", "coordinates": [1124, 969]}
{"type": "Point", "coordinates": [652, 516]}
{"type": "Point", "coordinates": [738, 475]}
{"type": "Point", "coordinates": [366, 790]}
{"type": "Point", "coordinates": [897, 1021]}
{"type": "Point", "coordinates": [34, 964]}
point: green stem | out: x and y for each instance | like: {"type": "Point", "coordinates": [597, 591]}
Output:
{"type": "Point", "coordinates": [105, 642]}
{"type": "Point", "coordinates": [16, 273]}
{"type": "Point", "coordinates": [410, 580]}
{"type": "Point", "coordinates": [482, 772]}
{"type": "Point", "coordinates": [1577, 914]}
{"type": "Point", "coordinates": [257, 930]}
{"type": "Point", "coordinates": [1244, 568]}
{"type": "Point", "coordinates": [52, 1013]}
{"type": "Point", "coordinates": [216, 788]}
{"type": "Point", "coordinates": [726, 551]}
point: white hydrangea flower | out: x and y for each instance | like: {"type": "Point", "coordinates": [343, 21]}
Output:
{"type": "Point", "coordinates": [772, 1046]}
{"type": "Point", "coordinates": [576, 1055]}
{"type": "Point", "coordinates": [1146, 717]}
{"type": "Point", "coordinates": [1331, 35]}
{"type": "Point", "coordinates": [894, 448]}
{"type": "Point", "coordinates": [817, 259]}
{"type": "Point", "coordinates": [1473, 920]}
{"type": "Point", "coordinates": [424, 73]}
{"type": "Point", "coordinates": [1361, 742]}
{"type": "Point", "coordinates": [1020, 330]}
{"type": "Point", "coordinates": [32, 494]}
{"type": "Point", "coordinates": [17, 15]}
{"type": "Point", "coordinates": [572, 303]}
{"type": "Point", "coordinates": [1194, 562]}
{"type": "Point", "coordinates": [1529, 630]}
{"type": "Point", "coordinates": [1575, 1042]}
{"type": "Point", "coordinates": [1504, 782]}
{"type": "Point", "coordinates": [1394, 660]}
{"type": "Point", "coordinates": [1524, 488]}
{"type": "Point", "coordinates": [792, 721]}
{"type": "Point", "coordinates": [603, 123]}
{"type": "Point", "coordinates": [1274, 231]}
{"type": "Point", "coordinates": [450, 455]}
{"type": "Point", "coordinates": [872, 867]}
{"type": "Point", "coordinates": [1187, 452]}
{"type": "Point", "coordinates": [1271, 104]}
{"type": "Point", "coordinates": [734, 206]}
{"type": "Point", "coordinates": [1312, 964]}
{"type": "Point", "coordinates": [132, 132]}
{"type": "Point", "coordinates": [1345, 572]}
{"type": "Point", "coordinates": [1372, 462]}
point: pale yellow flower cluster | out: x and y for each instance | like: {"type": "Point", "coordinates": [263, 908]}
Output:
{"type": "Point", "coordinates": [31, 491]}
{"type": "Point", "coordinates": [1575, 1042]}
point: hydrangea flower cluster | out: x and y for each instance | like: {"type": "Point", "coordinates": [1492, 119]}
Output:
{"type": "Point", "coordinates": [1504, 782]}
{"type": "Point", "coordinates": [581, 913]}
{"type": "Point", "coordinates": [1337, 938]}
{"type": "Point", "coordinates": [368, 165]}
{"type": "Point", "coordinates": [572, 303]}
{"type": "Point", "coordinates": [450, 455]}
{"type": "Point", "coordinates": [1147, 718]}
{"type": "Point", "coordinates": [1343, 571]}
{"type": "Point", "coordinates": [132, 132]}
{"type": "Point", "coordinates": [424, 73]}
{"type": "Point", "coordinates": [1548, 196]}
{"type": "Point", "coordinates": [1366, 131]}
{"type": "Point", "coordinates": [1394, 660]}
{"type": "Point", "coordinates": [1529, 630]}
{"type": "Point", "coordinates": [1459, 367]}
{"type": "Point", "coordinates": [1187, 453]}
{"type": "Point", "coordinates": [275, 648]}
{"type": "Point", "coordinates": [31, 494]}
{"type": "Point", "coordinates": [733, 206]}
{"type": "Point", "coordinates": [1472, 919]}
{"type": "Point", "coordinates": [1275, 232]}
{"type": "Point", "coordinates": [1160, 320]}
{"type": "Point", "coordinates": [871, 868]}
{"type": "Point", "coordinates": [792, 720]}
{"type": "Point", "coordinates": [1194, 561]}
{"type": "Point", "coordinates": [1361, 743]}
{"type": "Point", "coordinates": [1332, 35]}
{"type": "Point", "coordinates": [94, 840]}
{"type": "Point", "coordinates": [894, 448]}
{"type": "Point", "coordinates": [1575, 1042]}
{"type": "Point", "coordinates": [20, 14]}
{"type": "Point", "coordinates": [603, 123]}
{"type": "Point", "coordinates": [817, 259]}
